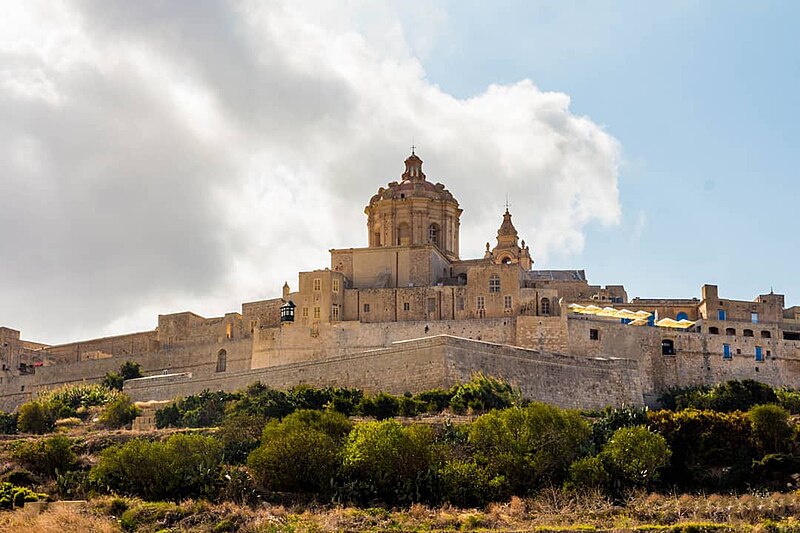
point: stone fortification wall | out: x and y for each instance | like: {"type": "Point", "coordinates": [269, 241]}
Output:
{"type": "Point", "coordinates": [428, 363]}
{"type": "Point", "coordinates": [294, 343]}
{"type": "Point", "coordinates": [199, 360]}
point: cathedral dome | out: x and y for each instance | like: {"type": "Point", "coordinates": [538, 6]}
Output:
{"type": "Point", "coordinates": [414, 211]}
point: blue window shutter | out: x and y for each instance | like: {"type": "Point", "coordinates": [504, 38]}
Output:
{"type": "Point", "coordinates": [726, 351]}
{"type": "Point", "coordinates": [721, 314]}
{"type": "Point", "coordinates": [759, 354]}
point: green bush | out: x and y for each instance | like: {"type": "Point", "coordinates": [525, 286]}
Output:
{"type": "Point", "coordinates": [380, 406]}
{"type": "Point", "coordinates": [128, 370]}
{"type": "Point", "coordinates": [408, 406]}
{"type": "Point", "coordinates": [588, 473]}
{"type": "Point", "coordinates": [262, 401]}
{"type": "Point", "coordinates": [726, 397]}
{"type": "Point", "coordinates": [711, 450]}
{"type": "Point", "coordinates": [8, 423]}
{"type": "Point", "coordinates": [120, 412]}
{"type": "Point", "coordinates": [45, 456]}
{"type": "Point", "coordinates": [635, 454]}
{"type": "Point", "coordinates": [12, 496]}
{"type": "Point", "coordinates": [483, 393]}
{"type": "Point", "coordinates": [614, 418]}
{"type": "Point", "coordinates": [345, 401]}
{"type": "Point", "coordinates": [301, 453]}
{"type": "Point", "coordinates": [465, 483]}
{"type": "Point", "coordinates": [206, 409]}
{"type": "Point", "coordinates": [306, 397]}
{"type": "Point", "coordinates": [389, 462]}
{"type": "Point", "coordinates": [789, 399]}
{"type": "Point", "coordinates": [435, 400]}
{"type": "Point", "coordinates": [529, 446]}
{"type": "Point", "coordinates": [772, 429]}
{"type": "Point", "coordinates": [240, 434]}
{"type": "Point", "coordinates": [72, 400]}
{"type": "Point", "coordinates": [113, 380]}
{"type": "Point", "coordinates": [183, 466]}
{"type": "Point", "coordinates": [36, 417]}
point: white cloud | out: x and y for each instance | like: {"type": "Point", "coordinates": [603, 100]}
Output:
{"type": "Point", "coordinates": [164, 158]}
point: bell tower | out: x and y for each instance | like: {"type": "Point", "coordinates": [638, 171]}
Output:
{"type": "Point", "coordinates": [507, 251]}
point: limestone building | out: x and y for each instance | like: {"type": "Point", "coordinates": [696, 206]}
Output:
{"type": "Point", "coordinates": [407, 313]}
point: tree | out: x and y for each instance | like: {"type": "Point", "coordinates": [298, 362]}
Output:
{"type": "Point", "coordinates": [771, 429]}
{"type": "Point", "coordinates": [635, 454]}
{"type": "Point", "coordinates": [36, 417]}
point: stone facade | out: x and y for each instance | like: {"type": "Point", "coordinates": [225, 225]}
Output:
{"type": "Point", "coordinates": [407, 313]}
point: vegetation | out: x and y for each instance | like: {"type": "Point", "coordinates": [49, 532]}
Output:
{"type": "Point", "coordinates": [128, 370]}
{"type": "Point", "coordinates": [46, 456]}
{"type": "Point", "coordinates": [12, 496]}
{"type": "Point", "coordinates": [119, 412]}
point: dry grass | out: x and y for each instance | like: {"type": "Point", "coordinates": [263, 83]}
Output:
{"type": "Point", "coordinates": [58, 520]}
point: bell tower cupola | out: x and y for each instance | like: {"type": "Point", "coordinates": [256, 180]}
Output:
{"type": "Point", "coordinates": [508, 251]}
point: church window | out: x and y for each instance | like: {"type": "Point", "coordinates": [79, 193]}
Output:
{"type": "Point", "coordinates": [433, 234]}
{"type": "Point", "coordinates": [481, 303]}
{"type": "Point", "coordinates": [545, 306]}
{"type": "Point", "coordinates": [403, 234]}
{"type": "Point", "coordinates": [594, 334]}
{"type": "Point", "coordinates": [748, 333]}
{"type": "Point", "coordinates": [335, 285]}
{"type": "Point", "coordinates": [317, 284]}
{"type": "Point", "coordinates": [406, 306]}
{"type": "Point", "coordinates": [316, 312]}
{"type": "Point", "coordinates": [335, 312]}
{"type": "Point", "coordinates": [222, 361]}
{"type": "Point", "coordinates": [494, 283]}
{"type": "Point", "coordinates": [507, 302]}
{"type": "Point", "coordinates": [366, 308]}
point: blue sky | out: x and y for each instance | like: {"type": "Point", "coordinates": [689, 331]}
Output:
{"type": "Point", "coordinates": [703, 97]}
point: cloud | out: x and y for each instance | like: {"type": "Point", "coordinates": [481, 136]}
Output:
{"type": "Point", "coordinates": [158, 158]}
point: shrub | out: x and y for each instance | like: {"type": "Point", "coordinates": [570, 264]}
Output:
{"type": "Point", "coordinates": [12, 496]}
{"type": "Point", "coordinates": [183, 466]}
{"type": "Point", "coordinates": [36, 417]}
{"type": "Point", "coordinates": [465, 483]}
{"type": "Point", "coordinates": [588, 473]}
{"type": "Point", "coordinates": [483, 393]}
{"type": "Point", "coordinates": [726, 397]}
{"type": "Point", "coordinates": [240, 434]}
{"type": "Point", "coordinates": [710, 449]}
{"type": "Point", "coordinates": [68, 399]}
{"type": "Point", "coordinates": [789, 399]}
{"type": "Point", "coordinates": [634, 455]}
{"type": "Point", "coordinates": [120, 412]}
{"type": "Point", "coordinates": [45, 456]}
{"type": "Point", "coordinates": [345, 400]}
{"type": "Point", "coordinates": [198, 410]}
{"type": "Point", "coordinates": [614, 418]}
{"type": "Point", "coordinates": [434, 401]}
{"type": "Point", "coordinates": [306, 397]}
{"type": "Point", "coordinates": [771, 427]}
{"type": "Point", "coordinates": [263, 401]}
{"type": "Point", "coordinates": [381, 406]}
{"type": "Point", "coordinates": [113, 380]}
{"type": "Point", "coordinates": [529, 446]}
{"type": "Point", "coordinates": [65, 424]}
{"type": "Point", "coordinates": [408, 406]}
{"type": "Point", "coordinates": [387, 461]}
{"type": "Point", "coordinates": [8, 423]}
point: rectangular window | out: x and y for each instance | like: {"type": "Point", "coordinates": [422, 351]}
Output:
{"type": "Point", "coordinates": [335, 312]}
{"type": "Point", "coordinates": [317, 284]}
{"type": "Point", "coordinates": [460, 304]}
{"type": "Point", "coordinates": [721, 314]}
{"type": "Point", "coordinates": [336, 285]}
{"type": "Point", "coordinates": [754, 318]}
{"type": "Point", "coordinates": [594, 334]}
{"type": "Point", "coordinates": [366, 308]}
{"type": "Point", "coordinates": [759, 354]}
{"type": "Point", "coordinates": [726, 351]}
{"type": "Point", "coordinates": [431, 305]}
{"type": "Point", "coordinates": [481, 303]}
{"type": "Point", "coordinates": [507, 302]}
{"type": "Point", "coordinates": [406, 306]}
{"type": "Point", "coordinates": [316, 312]}
{"type": "Point", "coordinates": [305, 311]}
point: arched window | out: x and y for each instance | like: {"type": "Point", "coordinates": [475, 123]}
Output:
{"type": "Point", "coordinates": [222, 361]}
{"type": "Point", "coordinates": [730, 331]}
{"type": "Point", "coordinates": [667, 347]}
{"type": "Point", "coordinates": [545, 306]}
{"type": "Point", "coordinates": [748, 333]}
{"type": "Point", "coordinates": [494, 283]}
{"type": "Point", "coordinates": [766, 334]}
{"type": "Point", "coordinates": [682, 316]}
{"type": "Point", "coordinates": [433, 234]}
{"type": "Point", "coordinates": [713, 330]}
{"type": "Point", "coordinates": [377, 235]}
{"type": "Point", "coordinates": [403, 234]}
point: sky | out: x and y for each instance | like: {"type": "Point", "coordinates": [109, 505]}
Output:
{"type": "Point", "coordinates": [160, 157]}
